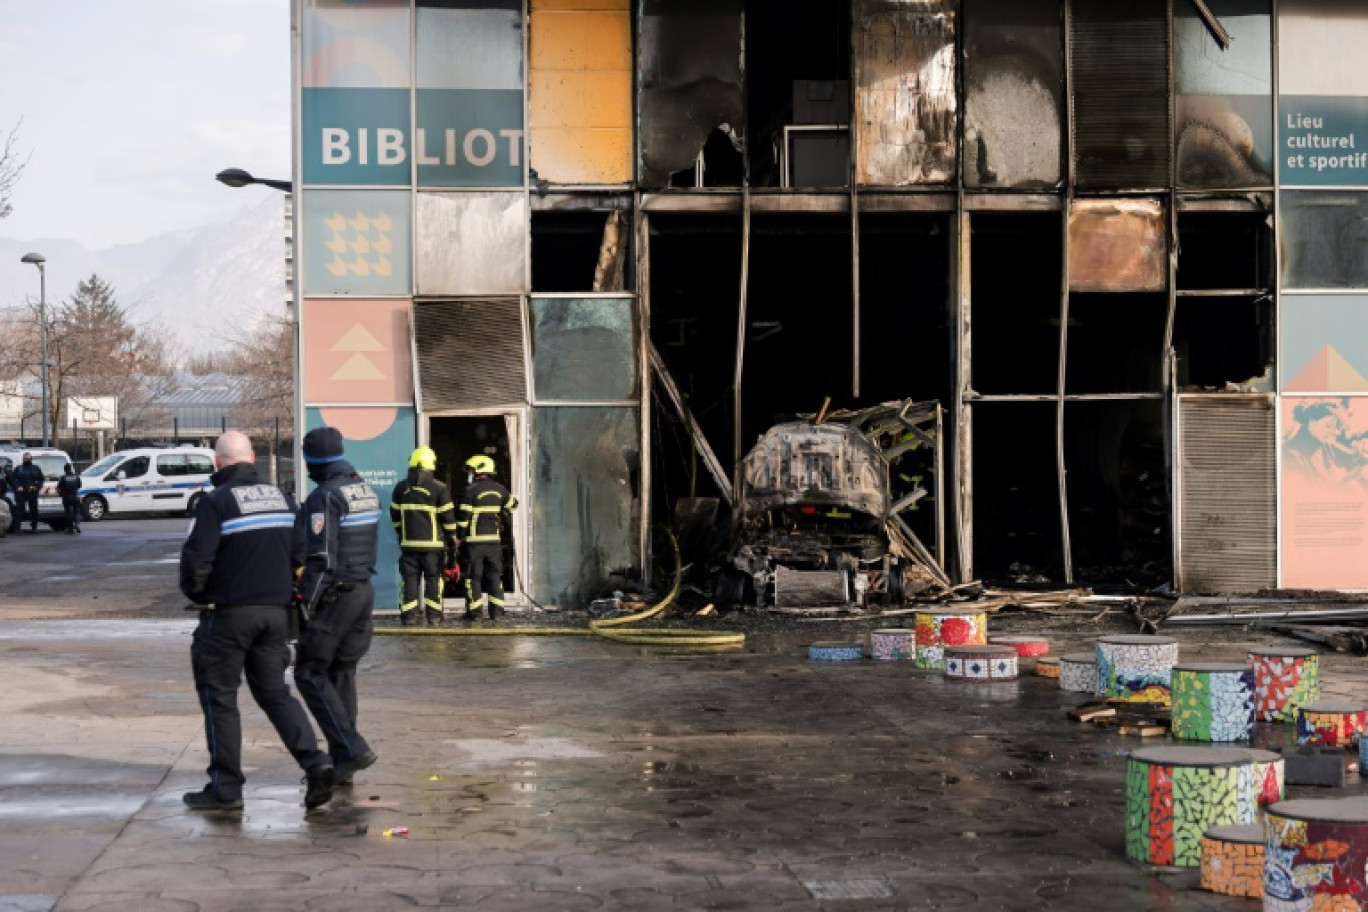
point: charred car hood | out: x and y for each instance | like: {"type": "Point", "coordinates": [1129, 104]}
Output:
{"type": "Point", "coordinates": [822, 465]}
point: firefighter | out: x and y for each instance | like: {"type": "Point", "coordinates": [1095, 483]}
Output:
{"type": "Point", "coordinates": [484, 505]}
{"type": "Point", "coordinates": [28, 481]}
{"type": "Point", "coordinates": [425, 522]}
{"type": "Point", "coordinates": [335, 540]}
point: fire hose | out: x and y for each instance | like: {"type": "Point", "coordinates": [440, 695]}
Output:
{"type": "Point", "coordinates": [616, 629]}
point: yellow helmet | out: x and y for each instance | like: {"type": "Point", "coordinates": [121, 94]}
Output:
{"type": "Point", "coordinates": [480, 465]}
{"type": "Point", "coordinates": [423, 458]}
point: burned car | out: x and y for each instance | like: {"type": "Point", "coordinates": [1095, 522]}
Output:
{"type": "Point", "coordinates": [818, 519]}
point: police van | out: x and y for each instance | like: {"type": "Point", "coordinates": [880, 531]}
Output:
{"type": "Point", "coordinates": [53, 462]}
{"type": "Point", "coordinates": [146, 480]}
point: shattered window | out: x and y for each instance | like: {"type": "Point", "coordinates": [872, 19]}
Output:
{"type": "Point", "coordinates": [584, 348]}
{"type": "Point", "coordinates": [905, 91]}
{"type": "Point", "coordinates": [1325, 239]}
{"type": "Point", "coordinates": [1224, 128]}
{"type": "Point", "coordinates": [585, 477]}
{"type": "Point", "coordinates": [1014, 86]}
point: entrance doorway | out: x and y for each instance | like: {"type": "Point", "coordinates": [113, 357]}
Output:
{"type": "Point", "coordinates": [457, 438]}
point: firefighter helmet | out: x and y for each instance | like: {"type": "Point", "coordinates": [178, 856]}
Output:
{"type": "Point", "coordinates": [423, 458]}
{"type": "Point", "coordinates": [480, 465]}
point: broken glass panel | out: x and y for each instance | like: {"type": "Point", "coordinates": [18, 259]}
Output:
{"type": "Point", "coordinates": [689, 68]}
{"type": "Point", "coordinates": [1224, 125]}
{"type": "Point", "coordinates": [905, 91]}
{"type": "Point", "coordinates": [1324, 239]}
{"type": "Point", "coordinates": [1014, 85]}
{"type": "Point", "coordinates": [1117, 245]}
{"type": "Point", "coordinates": [584, 348]}
{"type": "Point", "coordinates": [586, 470]}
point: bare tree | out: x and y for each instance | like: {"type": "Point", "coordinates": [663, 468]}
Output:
{"type": "Point", "coordinates": [262, 358]}
{"type": "Point", "coordinates": [11, 168]}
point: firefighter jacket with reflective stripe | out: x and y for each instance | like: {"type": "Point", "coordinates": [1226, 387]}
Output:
{"type": "Point", "coordinates": [422, 512]}
{"type": "Point", "coordinates": [337, 534]}
{"type": "Point", "coordinates": [483, 505]}
{"type": "Point", "coordinates": [238, 549]}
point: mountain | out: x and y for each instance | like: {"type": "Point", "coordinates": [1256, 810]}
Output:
{"type": "Point", "coordinates": [199, 284]}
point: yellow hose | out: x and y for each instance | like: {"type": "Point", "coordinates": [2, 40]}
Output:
{"type": "Point", "coordinates": [606, 628]}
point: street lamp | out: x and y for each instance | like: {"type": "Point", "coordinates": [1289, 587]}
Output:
{"type": "Point", "coordinates": [236, 177]}
{"type": "Point", "coordinates": [37, 259]}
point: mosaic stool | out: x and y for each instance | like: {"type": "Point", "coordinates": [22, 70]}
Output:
{"type": "Point", "coordinates": [893, 644]}
{"type": "Point", "coordinates": [1175, 794]}
{"type": "Point", "coordinates": [1135, 668]}
{"type": "Point", "coordinates": [1334, 723]}
{"type": "Point", "coordinates": [1314, 854]}
{"type": "Point", "coordinates": [1078, 672]}
{"type": "Point", "coordinates": [1025, 646]}
{"type": "Point", "coordinates": [1213, 701]}
{"type": "Point", "coordinates": [835, 652]}
{"type": "Point", "coordinates": [948, 627]}
{"type": "Point", "coordinates": [981, 663]}
{"type": "Point", "coordinates": [1233, 860]}
{"type": "Point", "coordinates": [1270, 776]}
{"type": "Point", "coordinates": [1283, 680]}
{"type": "Point", "coordinates": [1048, 667]}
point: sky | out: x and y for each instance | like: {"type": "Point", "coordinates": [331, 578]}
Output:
{"type": "Point", "coordinates": [126, 109]}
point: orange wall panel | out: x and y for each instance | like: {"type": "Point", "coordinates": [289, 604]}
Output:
{"type": "Point", "coordinates": [584, 99]}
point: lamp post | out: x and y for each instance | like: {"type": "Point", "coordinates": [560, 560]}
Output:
{"type": "Point", "coordinates": [236, 177]}
{"type": "Point", "coordinates": [37, 259]}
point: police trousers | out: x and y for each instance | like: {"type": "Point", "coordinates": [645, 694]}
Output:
{"type": "Point", "coordinates": [227, 643]}
{"type": "Point", "coordinates": [326, 656]}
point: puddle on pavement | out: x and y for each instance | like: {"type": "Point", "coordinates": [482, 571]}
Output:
{"type": "Point", "coordinates": [97, 630]}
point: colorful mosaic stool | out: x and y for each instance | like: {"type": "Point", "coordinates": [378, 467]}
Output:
{"type": "Point", "coordinates": [1270, 776]}
{"type": "Point", "coordinates": [1135, 668]}
{"type": "Point", "coordinates": [1213, 701]}
{"type": "Point", "coordinates": [1283, 680]}
{"type": "Point", "coordinates": [948, 627]}
{"type": "Point", "coordinates": [1333, 723]}
{"type": "Point", "coordinates": [1175, 794]}
{"type": "Point", "coordinates": [981, 663]}
{"type": "Point", "coordinates": [1078, 672]}
{"type": "Point", "coordinates": [893, 644]}
{"type": "Point", "coordinates": [1025, 646]}
{"type": "Point", "coordinates": [1048, 667]}
{"type": "Point", "coordinates": [835, 652]}
{"type": "Point", "coordinates": [1233, 860]}
{"type": "Point", "coordinates": [1315, 852]}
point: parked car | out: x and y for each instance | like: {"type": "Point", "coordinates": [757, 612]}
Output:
{"type": "Point", "coordinates": [52, 461]}
{"type": "Point", "coordinates": [146, 480]}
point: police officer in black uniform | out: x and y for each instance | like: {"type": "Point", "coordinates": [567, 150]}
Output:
{"type": "Point", "coordinates": [236, 563]}
{"type": "Point", "coordinates": [485, 505]}
{"type": "Point", "coordinates": [28, 481]}
{"type": "Point", "coordinates": [336, 540]}
{"type": "Point", "coordinates": [425, 522]}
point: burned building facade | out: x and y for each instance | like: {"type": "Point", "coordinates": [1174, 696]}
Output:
{"type": "Point", "coordinates": [1124, 243]}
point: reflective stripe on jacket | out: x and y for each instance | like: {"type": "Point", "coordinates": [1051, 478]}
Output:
{"type": "Point", "coordinates": [422, 512]}
{"type": "Point", "coordinates": [483, 504]}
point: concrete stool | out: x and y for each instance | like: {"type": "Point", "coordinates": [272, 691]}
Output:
{"type": "Point", "coordinates": [1213, 701]}
{"type": "Point", "coordinates": [893, 644]}
{"type": "Point", "coordinates": [1175, 794]}
{"type": "Point", "coordinates": [1270, 776]}
{"type": "Point", "coordinates": [1048, 666]}
{"type": "Point", "coordinates": [1233, 860]}
{"type": "Point", "coordinates": [1136, 668]}
{"type": "Point", "coordinates": [981, 663]}
{"type": "Point", "coordinates": [1333, 723]}
{"type": "Point", "coordinates": [835, 652]}
{"type": "Point", "coordinates": [948, 627]}
{"type": "Point", "coordinates": [1078, 672]}
{"type": "Point", "coordinates": [1025, 646]}
{"type": "Point", "coordinates": [1315, 853]}
{"type": "Point", "coordinates": [1283, 680]}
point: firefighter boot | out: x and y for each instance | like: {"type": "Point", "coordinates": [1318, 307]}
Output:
{"type": "Point", "coordinates": [435, 617]}
{"type": "Point", "coordinates": [410, 617]}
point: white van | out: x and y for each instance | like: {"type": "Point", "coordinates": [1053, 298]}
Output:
{"type": "Point", "coordinates": [145, 480]}
{"type": "Point", "coordinates": [52, 461]}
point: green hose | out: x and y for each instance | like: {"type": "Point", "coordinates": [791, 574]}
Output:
{"type": "Point", "coordinates": [608, 629]}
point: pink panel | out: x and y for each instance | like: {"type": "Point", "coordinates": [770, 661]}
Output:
{"type": "Point", "coordinates": [357, 351]}
{"type": "Point", "coordinates": [1324, 492]}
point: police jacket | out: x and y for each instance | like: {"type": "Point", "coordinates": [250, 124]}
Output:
{"type": "Point", "coordinates": [337, 533]}
{"type": "Point", "coordinates": [69, 486]}
{"type": "Point", "coordinates": [483, 505]}
{"type": "Point", "coordinates": [27, 479]}
{"type": "Point", "coordinates": [239, 547]}
{"type": "Point", "coordinates": [422, 511]}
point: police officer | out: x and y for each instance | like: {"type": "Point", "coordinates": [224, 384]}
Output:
{"type": "Point", "coordinates": [69, 487]}
{"type": "Point", "coordinates": [335, 539]}
{"type": "Point", "coordinates": [236, 564]}
{"type": "Point", "coordinates": [484, 504]}
{"type": "Point", "coordinates": [425, 521]}
{"type": "Point", "coordinates": [28, 481]}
